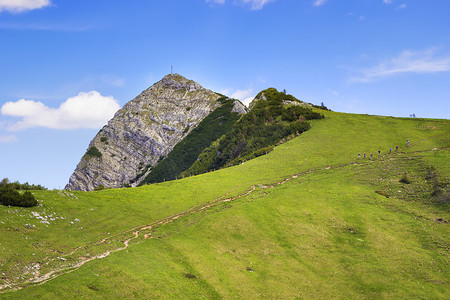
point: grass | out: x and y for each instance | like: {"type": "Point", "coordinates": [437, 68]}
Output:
{"type": "Point", "coordinates": [325, 234]}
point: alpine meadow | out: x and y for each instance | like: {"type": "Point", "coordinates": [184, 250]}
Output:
{"type": "Point", "coordinates": [308, 220]}
{"type": "Point", "coordinates": [225, 149]}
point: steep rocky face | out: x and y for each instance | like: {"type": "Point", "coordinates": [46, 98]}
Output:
{"type": "Point", "coordinates": [141, 133]}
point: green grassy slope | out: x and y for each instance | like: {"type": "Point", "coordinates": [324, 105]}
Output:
{"type": "Point", "coordinates": [324, 233]}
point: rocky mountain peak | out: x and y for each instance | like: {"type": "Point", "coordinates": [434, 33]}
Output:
{"type": "Point", "coordinates": [142, 132]}
{"type": "Point", "coordinates": [178, 82]}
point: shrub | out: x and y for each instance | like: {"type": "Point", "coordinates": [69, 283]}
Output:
{"type": "Point", "coordinates": [93, 152]}
{"type": "Point", "coordinates": [405, 179]}
{"type": "Point", "coordinates": [16, 185]}
{"type": "Point", "coordinates": [14, 198]}
{"type": "Point", "coordinates": [99, 188]}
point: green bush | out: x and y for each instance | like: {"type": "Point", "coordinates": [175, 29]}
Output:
{"type": "Point", "coordinates": [99, 188]}
{"type": "Point", "coordinates": [93, 152]}
{"type": "Point", "coordinates": [14, 198]}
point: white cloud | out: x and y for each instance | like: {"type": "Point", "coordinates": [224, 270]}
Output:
{"type": "Point", "coordinates": [242, 94]}
{"type": "Point", "coordinates": [319, 2]}
{"type": "Point", "coordinates": [387, 1]}
{"type": "Point", "coordinates": [7, 139]}
{"type": "Point", "coordinates": [254, 4]}
{"type": "Point", "coordinates": [406, 62]}
{"type": "Point", "coordinates": [17, 6]}
{"type": "Point", "coordinates": [246, 96]}
{"type": "Point", "coordinates": [401, 6]}
{"type": "Point", "coordinates": [86, 110]}
{"type": "Point", "coordinates": [257, 4]}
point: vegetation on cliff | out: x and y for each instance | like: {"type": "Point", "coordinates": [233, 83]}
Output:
{"type": "Point", "coordinates": [93, 152]}
{"type": "Point", "coordinates": [274, 117]}
{"type": "Point", "coordinates": [184, 154]}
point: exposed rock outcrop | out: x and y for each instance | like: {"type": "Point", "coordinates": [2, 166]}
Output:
{"type": "Point", "coordinates": [141, 133]}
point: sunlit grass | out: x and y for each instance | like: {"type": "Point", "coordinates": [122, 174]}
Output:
{"type": "Point", "coordinates": [324, 234]}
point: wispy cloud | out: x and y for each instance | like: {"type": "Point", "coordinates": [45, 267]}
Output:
{"type": "Point", "coordinates": [254, 4]}
{"type": "Point", "coordinates": [406, 62]}
{"type": "Point", "coordinates": [8, 139]}
{"type": "Point", "coordinates": [257, 4]}
{"type": "Point", "coordinates": [86, 110]}
{"type": "Point", "coordinates": [401, 6]}
{"type": "Point", "coordinates": [319, 2]}
{"type": "Point", "coordinates": [17, 6]}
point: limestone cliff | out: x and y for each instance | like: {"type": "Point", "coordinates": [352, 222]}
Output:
{"type": "Point", "coordinates": [143, 132]}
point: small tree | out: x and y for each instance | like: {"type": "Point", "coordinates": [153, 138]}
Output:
{"type": "Point", "coordinates": [4, 182]}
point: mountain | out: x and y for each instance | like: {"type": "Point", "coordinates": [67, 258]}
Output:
{"type": "Point", "coordinates": [143, 132]}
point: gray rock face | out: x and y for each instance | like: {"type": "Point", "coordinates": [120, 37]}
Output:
{"type": "Point", "coordinates": [239, 108]}
{"type": "Point", "coordinates": [144, 130]}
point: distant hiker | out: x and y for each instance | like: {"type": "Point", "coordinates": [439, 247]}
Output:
{"type": "Point", "coordinates": [396, 148]}
{"type": "Point", "coordinates": [390, 150]}
{"type": "Point", "coordinates": [364, 154]}
{"type": "Point", "coordinates": [359, 155]}
{"type": "Point", "coordinates": [370, 156]}
{"type": "Point", "coordinates": [379, 152]}
{"type": "Point", "coordinates": [407, 143]}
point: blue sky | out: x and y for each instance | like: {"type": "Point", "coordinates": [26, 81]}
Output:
{"type": "Point", "coordinates": [66, 66]}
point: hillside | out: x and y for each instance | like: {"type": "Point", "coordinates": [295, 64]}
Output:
{"type": "Point", "coordinates": [273, 117]}
{"type": "Point", "coordinates": [144, 131]}
{"type": "Point", "coordinates": [308, 220]}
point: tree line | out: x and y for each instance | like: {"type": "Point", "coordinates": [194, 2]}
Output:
{"type": "Point", "coordinates": [16, 185]}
